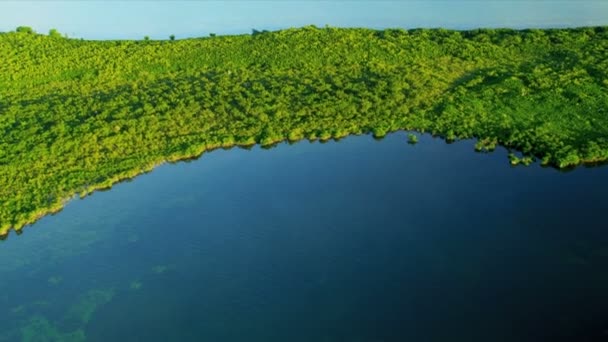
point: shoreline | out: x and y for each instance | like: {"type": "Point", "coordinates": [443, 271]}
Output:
{"type": "Point", "coordinates": [99, 113]}
{"type": "Point", "coordinates": [108, 184]}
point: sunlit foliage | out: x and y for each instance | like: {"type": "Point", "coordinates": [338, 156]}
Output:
{"type": "Point", "coordinates": [80, 115]}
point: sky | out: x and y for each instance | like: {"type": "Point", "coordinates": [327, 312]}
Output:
{"type": "Point", "coordinates": [159, 19]}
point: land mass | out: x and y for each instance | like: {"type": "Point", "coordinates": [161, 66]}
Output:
{"type": "Point", "coordinates": [78, 115]}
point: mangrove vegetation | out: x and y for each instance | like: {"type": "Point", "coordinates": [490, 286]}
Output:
{"type": "Point", "coordinates": [78, 115]}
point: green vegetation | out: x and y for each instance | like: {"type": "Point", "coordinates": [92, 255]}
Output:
{"type": "Point", "coordinates": [78, 115]}
{"type": "Point", "coordinates": [25, 29]}
{"type": "Point", "coordinates": [54, 33]}
{"type": "Point", "coordinates": [486, 145]}
{"type": "Point", "coordinates": [412, 138]}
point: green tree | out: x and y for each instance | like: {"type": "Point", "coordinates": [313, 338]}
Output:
{"type": "Point", "coordinates": [107, 111]}
{"type": "Point", "coordinates": [25, 29]}
{"type": "Point", "coordinates": [54, 33]}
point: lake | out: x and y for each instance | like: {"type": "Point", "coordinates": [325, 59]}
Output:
{"type": "Point", "coordinates": [356, 240]}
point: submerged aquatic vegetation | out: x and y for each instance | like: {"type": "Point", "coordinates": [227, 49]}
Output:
{"type": "Point", "coordinates": [72, 325]}
{"type": "Point", "coordinates": [76, 116]}
{"type": "Point", "coordinates": [39, 328]}
{"type": "Point", "coordinates": [55, 280]}
{"type": "Point", "coordinates": [160, 269]}
{"type": "Point", "coordinates": [135, 285]}
{"type": "Point", "coordinates": [87, 304]}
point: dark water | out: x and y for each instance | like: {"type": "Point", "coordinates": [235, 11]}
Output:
{"type": "Point", "coordinates": [351, 241]}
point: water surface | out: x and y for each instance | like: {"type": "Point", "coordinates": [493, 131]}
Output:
{"type": "Point", "coordinates": [357, 240]}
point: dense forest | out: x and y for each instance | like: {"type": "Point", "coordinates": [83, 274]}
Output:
{"type": "Point", "coordinates": [79, 115]}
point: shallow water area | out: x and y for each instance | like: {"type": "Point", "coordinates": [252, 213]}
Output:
{"type": "Point", "coordinates": [356, 240]}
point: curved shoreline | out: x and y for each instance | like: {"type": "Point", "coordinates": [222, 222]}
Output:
{"type": "Point", "coordinates": [129, 175]}
{"type": "Point", "coordinates": [80, 116]}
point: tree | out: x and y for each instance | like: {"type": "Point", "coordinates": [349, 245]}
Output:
{"type": "Point", "coordinates": [25, 29]}
{"type": "Point", "coordinates": [172, 37]}
{"type": "Point", "coordinates": [412, 138]}
{"type": "Point", "coordinates": [255, 32]}
{"type": "Point", "coordinates": [146, 38]}
{"type": "Point", "coordinates": [54, 33]}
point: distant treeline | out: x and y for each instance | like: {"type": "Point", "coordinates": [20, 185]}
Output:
{"type": "Point", "coordinates": [78, 115]}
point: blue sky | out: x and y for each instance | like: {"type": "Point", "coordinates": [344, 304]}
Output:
{"type": "Point", "coordinates": [159, 19]}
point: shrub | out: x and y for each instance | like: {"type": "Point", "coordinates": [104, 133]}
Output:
{"type": "Point", "coordinates": [54, 33]}
{"type": "Point", "coordinates": [25, 29]}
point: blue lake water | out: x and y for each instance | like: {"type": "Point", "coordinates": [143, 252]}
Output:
{"type": "Point", "coordinates": [357, 240]}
